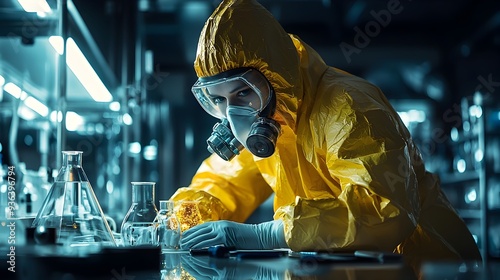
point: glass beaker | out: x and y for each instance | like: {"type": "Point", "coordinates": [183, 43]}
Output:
{"type": "Point", "coordinates": [137, 227]}
{"type": "Point", "coordinates": [167, 227]}
{"type": "Point", "coordinates": [72, 208]}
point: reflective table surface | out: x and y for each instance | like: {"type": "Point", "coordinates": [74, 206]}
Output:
{"type": "Point", "coordinates": [136, 263]}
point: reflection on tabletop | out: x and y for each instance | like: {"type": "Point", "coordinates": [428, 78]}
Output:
{"type": "Point", "coordinates": [149, 262]}
{"type": "Point", "coordinates": [187, 266]}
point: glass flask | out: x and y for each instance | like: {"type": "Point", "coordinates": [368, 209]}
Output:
{"type": "Point", "coordinates": [138, 225]}
{"type": "Point", "coordinates": [71, 207]}
{"type": "Point", "coordinates": [167, 227]}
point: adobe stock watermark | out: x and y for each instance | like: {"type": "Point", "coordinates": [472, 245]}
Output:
{"type": "Point", "coordinates": [362, 38]}
{"type": "Point", "coordinates": [487, 84]}
{"type": "Point", "coordinates": [11, 226]}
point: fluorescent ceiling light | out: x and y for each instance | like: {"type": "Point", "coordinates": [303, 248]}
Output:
{"type": "Point", "coordinates": [57, 43]}
{"type": "Point", "coordinates": [35, 6]}
{"type": "Point", "coordinates": [13, 90]}
{"type": "Point", "coordinates": [29, 101]}
{"type": "Point", "coordinates": [24, 95]}
{"type": "Point", "coordinates": [2, 80]}
{"type": "Point", "coordinates": [82, 69]}
{"type": "Point", "coordinates": [36, 106]}
{"type": "Point", "coordinates": [25, 113]}
{"type": "Point", "coordinates": [114, 106]}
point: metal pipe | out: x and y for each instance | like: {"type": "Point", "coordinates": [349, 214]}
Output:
{"type": "Point", "coordinates": [125, 170]}
{"type": "Point", "coordinates": [61, 94]}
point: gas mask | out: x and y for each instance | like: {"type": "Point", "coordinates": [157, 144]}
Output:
{"type": "Point", "coordinates": [245, 120]}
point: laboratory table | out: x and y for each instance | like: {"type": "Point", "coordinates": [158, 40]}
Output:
{"type": "Point", "coordinates": [137, 263]}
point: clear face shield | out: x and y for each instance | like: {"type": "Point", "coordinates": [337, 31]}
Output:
{"type": "Point", "coordinates": [241, 98]}
{"type": "Point", "coordinates": [213, 93]}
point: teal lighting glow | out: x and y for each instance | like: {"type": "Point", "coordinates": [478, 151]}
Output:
{"type": "Point", "coordinates": [134, 148]}
{"type": "Point", "coordinates": [127, 119]}
{"type": "Point", "coordinates": [471, 196]}
{"type": "Point", "coordinates": [115, 106]}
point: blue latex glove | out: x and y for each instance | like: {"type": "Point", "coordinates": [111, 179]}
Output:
{"type": "Point", "coordinates": [268, 235]}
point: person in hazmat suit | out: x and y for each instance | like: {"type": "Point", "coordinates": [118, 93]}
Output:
{"type": "Point", "coordinates": [344, 169]}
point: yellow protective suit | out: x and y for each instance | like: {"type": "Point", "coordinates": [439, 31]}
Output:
{"type": "Point", "coordinates": [346, 173]}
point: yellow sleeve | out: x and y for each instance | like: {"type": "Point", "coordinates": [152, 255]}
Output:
{"type": "Point", "coordinates": [371, 159]}
{"type": "Point", "coordinates": [226, 190]}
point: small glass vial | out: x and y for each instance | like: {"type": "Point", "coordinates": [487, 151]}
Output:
{"type": "Point", "coordinates": [137, 227]}
{"type": "Point", "coordinates": [167, 227]}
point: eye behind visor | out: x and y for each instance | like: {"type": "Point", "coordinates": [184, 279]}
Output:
{"type": "Point", "coordinates": [204, 91]}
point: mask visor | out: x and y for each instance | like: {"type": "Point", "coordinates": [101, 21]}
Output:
{"type": "Point", "coordinates": [205, 91]}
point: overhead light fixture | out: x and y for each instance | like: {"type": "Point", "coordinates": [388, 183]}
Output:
{"type": "Point", "coordinates": [35, 6]}
{"type": "Point", "coordinates": [23, 96]}
{"type": "Point", "coordinates": [82, 69]}
{"type": "Point", "coordinates": [13, 90]}
{"type": "Point", "coordinates": [36, 106]}
{"type": "Point", "coordinates": [31, 102]}
{"type": "Point", "coordinates": [25, 113]}
{"type": "Point", "coordinates": [57, 43]}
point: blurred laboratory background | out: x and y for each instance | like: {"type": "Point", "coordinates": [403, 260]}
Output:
{"type": "Point", "coordinates": [120, 92]}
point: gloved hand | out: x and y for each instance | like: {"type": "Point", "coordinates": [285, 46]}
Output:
{"type": "Point", "coordinates": [268, 235]}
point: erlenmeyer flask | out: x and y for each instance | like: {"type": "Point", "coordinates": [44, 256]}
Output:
{"type": "Point", "coordinates": [71, 207]}
{"type": "Point", "coordinates": [138, 225]}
